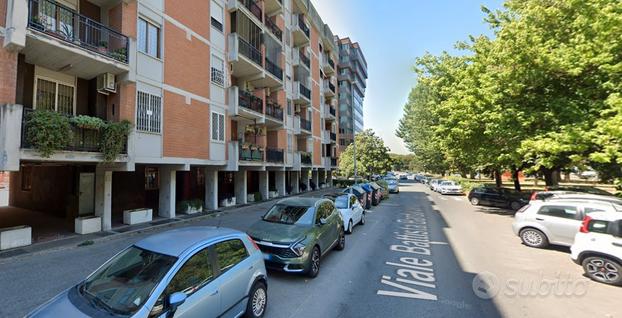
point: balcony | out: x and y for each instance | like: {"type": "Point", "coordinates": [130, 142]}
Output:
{"type": "Point", "coordinates": [299, 59]}
{"type": "Point", "coordinates": [329, 88]}
{"type": "Point", "coordinates": [301, 94]}
{"type": "Point", "coordinates": [273, 7]}
{"type": "Point", "coordinates": [245, 105]}
{"type": "Point", "coordinates": [305, 125]}
{"type": "Point", "coordinates": [275, 70]}
{"type": "Point", "coordinates": [274, 114]}
{"type": "Point", "coordinates": [328, 66]}
{"type": "Point", "coordinates": [274, 29]}
{"type": "Point", "coordinates": [306, 159]}
{"type": "Point", "coordinates": [300, 31]}
{"type": "Point", "coordinates": [305, 92]}
{"type": "Point", "coordinates": [61, 38]}
{"type": "Point", "coordinates": [275, 155]}
{"type": "Point", "coordinates": [250, 101]}
{"type": "Point", "coordinates": [252, 153]}
{"type": "Point", "coordinates": [245, 58]}
{"type": "Point", "coordinates": [253, 8]}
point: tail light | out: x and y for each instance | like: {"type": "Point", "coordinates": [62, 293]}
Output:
{"type": "Point", "coordinates": [584, 225]}
{"type": "Point", "coordinates": [534, 196]}
{"type": "Point", "coordinates": [253, 241]}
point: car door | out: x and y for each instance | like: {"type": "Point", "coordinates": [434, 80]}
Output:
{"type": "Point", "coordinates": [335, 221]}
{"type": "Point", "coordinates": [235, 272]}
{"type": "Point", "coordinates": [196, 279]}
{"type": "Point", "coordinates": [357, 211]}
{"type": "Point", "coordinates": [322, 230]}
{"type": "Point", "coordinates": [561, 221]}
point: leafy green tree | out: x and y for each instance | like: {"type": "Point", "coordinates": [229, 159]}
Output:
{"type": "Point", "coordinates": [372, 156]}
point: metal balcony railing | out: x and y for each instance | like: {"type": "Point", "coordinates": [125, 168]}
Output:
{"type": "Point", "coordinates": [306, 158]}
{"type": "Point", "coordinates": [82, 139]}
{"type": "Point", "coordinates": [332, 111]}
{"type": "Point", "coordinates": [274, 155]}
{"type": "Point", "coordinates": [253, 53]}
{"type": "Point", "coordinates": [274, 29]}
{"type": "Point", "coordinates": [274, 69]}
{"type": "Point", "coordinates": [305, 60]}
{"type": "Point", "coordinates": [251, 153]}
{"type": "Point", "coordinates": [65, 24]}
{"type": "Point", "coordinates": [333, 136]}
{"type": "Point", "coordinates": [303, 26]}
{"type": "Point", "coordinates": [247, 100]}
{"type": "Point", "coordinates": [305, 91]}
{"type": "Point", "coordinates": [253, 7]}
{"type": "Point", "coordinates": [331, 63]}
{"type": "Point", "coordinates": [305, 124]}
{"type": "Point", "coordinates": [274, 110]}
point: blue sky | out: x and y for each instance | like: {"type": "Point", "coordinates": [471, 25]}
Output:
{"type": "Point", "coordinates": [392, 34]}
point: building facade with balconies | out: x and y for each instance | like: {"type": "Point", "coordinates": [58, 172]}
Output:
{"type": "Point", "coordinates": [352, 77]}
{"type": "Point", "coordinates": [222, 110]}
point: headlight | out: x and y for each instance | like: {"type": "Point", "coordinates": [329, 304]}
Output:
{"type": "Point", "coordinates": [299, 247]}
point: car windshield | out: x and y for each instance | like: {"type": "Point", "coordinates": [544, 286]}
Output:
{"type": "Point", "coordinates": [125, 282]}
{"type": "Point", "coordinates": [290, 214]}
{"type": "Point", "coordinates": [341, 202]}
{"type": "Point", "coordinates": [448, 183]}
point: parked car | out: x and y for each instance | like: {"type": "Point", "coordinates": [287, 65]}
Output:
{"type": "Point", "coordinates": [296, 232]}
{"type": "Point", "coordinates": [498, 197]}
{"type": "Point", "coordinates": [403, 177]}
{"type": "Point", "coordinates": [433, 183]}
{"type": "Point", "coordinates": [351, 211]}
{"type": "Point", "coordinates": [449, 187]}
{"type": "Point", "coordinates": [562, 195]}
{"type": "Point", "coordinates": [598, 247]}
{"type": "Point", "coordinates": [187, 272]}
{"type": "Point", "coordinates": [393, 185]}
{"type": "Point", "coordinates": [554, 222]}
{"type": "Point", "coordinates": [363, 196]}
{"type": "Point", "coordinates": [555, 191]}
{"type": "Point", "coordinates": [375, 196]}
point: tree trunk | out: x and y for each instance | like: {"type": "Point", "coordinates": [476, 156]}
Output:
{"type": "Point", "coordinates": [551, 177]}
{"type": "Point", "coordinates": [515, 174]}
{"type": "Point", "coordinates": [498, 180]}
{"type": "Point", "coordinates": [567, 176]}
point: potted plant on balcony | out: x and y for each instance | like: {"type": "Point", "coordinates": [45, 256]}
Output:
{"type": "Point", "coordinates": [88, 122]}
{"type": "Point", "coordinates": [119, 54]}
{"type": "Point", "coordinates": [103, 47]}
{"type": "Point", "coordinates": [114, 139]}
{"type": "Point", "coordinates": [48, 131]}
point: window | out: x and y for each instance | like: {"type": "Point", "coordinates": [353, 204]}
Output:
{"type": "Point", "coordinates": [152, 177]}
{"type": "Point", "coordinates": [148, 38]}
{"type": "Point", "coordinates": [353, 201]}
{"type": "Point", "coordinates": [218, 127]}
{"type": "Point", "coordinates": [566, 212]}
{"type": "Point", "coordinates": [230, 253]}
{"type": "Point", "coordinates": [26, 178]}
{"type": "Point", "coordinates": [54, 95]}
{"type": "Point", "coordinates": [217, 16]}
{"type": "Point", "coordinates": [148, 113]}
{"type": "Point", "coordinates": [598, 226]}
{"type": "Point", "coordinates": [193, 275]}
{"type": "Point", "coordinates": [218, 71]}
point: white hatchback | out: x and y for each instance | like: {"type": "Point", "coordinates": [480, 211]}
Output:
{"type": "Point", "coordinates": [351, 211]}
{"type": "Point", "coordinates": [598, 247]}
{"type": "Point", "coordinates": [541, 223]}
{"type": "Point", "coordinates": [449, 187]}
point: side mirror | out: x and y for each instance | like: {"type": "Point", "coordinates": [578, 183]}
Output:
{"type": "Point", "coordinates": [175, 300]}
{"type": "Point", "coordinates": [322, 221]}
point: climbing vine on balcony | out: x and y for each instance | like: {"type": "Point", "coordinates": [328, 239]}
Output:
{"type": "Point", "coordinates": [48, 131]}
{"type": "Point", "coordinates": [114, 138]}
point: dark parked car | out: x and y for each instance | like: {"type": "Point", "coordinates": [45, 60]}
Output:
{"type": "Point", "coordinates": [498, 197]}
{"type": "Point", "coordinates": [363, 196]}
{"type": "Point", "coordinates": [295, 233]}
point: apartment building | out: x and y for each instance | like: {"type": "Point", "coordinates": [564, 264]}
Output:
{"type": "Point", "coordinates": [229, 101]}
{"type": "Point", "coordinates": [352, 77]}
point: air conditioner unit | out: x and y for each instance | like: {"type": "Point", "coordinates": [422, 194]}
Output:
{"type": "Point", "coordinates": [106, 83]}
{"type": "Point", "coordinates": [297, 109]}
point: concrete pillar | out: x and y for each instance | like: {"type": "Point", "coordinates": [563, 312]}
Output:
{"type": "Point", "coordinates": [315, 178]}
{"type": "Point", "coordinates": [103, 197]}
{"type": "Point", "coordinates": [304, 178]}
{"type": "Point", "coordinates": [295, 181]}
{"type": "Point", "coordinates": [211, 189]}
{"type": "Point", "coordinates": [240, 186]}
{"type": "Point", "coordinates": [168, 189]}
{"type": "Point", "coordinates": [280, 183]}
{"type": "Point", "coordinates": [329, 178]}
{"type": "Point", "coordinates": [264, 185]}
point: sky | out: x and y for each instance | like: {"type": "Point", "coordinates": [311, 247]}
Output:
{"type": "Point", "coordinates": [392, 34]}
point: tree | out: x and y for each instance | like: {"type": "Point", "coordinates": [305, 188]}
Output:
{"type": "Point", "coordinates": [372, 156]}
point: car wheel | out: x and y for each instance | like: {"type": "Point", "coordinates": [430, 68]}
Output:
{"type": "Point", "coordinates": [314, 263]}
{"type": "Point", "coordinates": [257, 301]}
{"type": "Point", "coordinates": [349, 231]}
{"type": "Point", "coordinates": [342, 240]}
{"type": "Point", "coordinates": [534, 238]}
{"type": "Point", "coordinates": [604, 270]}
{"type": "Point", "coordinates": [515, 205]}
{"type": "Point", "coordinates": [362, 219]}
{"type": "Point", "coordinates": [474, 201]}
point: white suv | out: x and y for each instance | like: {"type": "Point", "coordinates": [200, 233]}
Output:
{"type": "Point", "coordinates": [598, 247]}
{"type": "Point", "coordinates": [541, 223]}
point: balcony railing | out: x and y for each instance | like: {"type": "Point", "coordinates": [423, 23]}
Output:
{"type": "Point", "coordinates": [303, 26]}
{"type": "Point", "coordinates": [331, 63]}
{"type": "Point", "coordinates": [305, 91]}
{"type": "Point", "coordinates": [65, 24]}
{"type": "Point", "coordinates": [274, 110]}
{"type": "Point", "coordinates": [274, 29]}
{"type": "Point", "coordinates": [305, 60]}
{"type": "Point", "coordinates": [333, 136]}
{"type": "Point", "coordinates": [331, 87]}
{"type": "Point", "coordinates": [306, 158]}
{"type": "Point", "coordinates": [247, 100]}
{"type": "Point", "coordinates": [250, 51]}
{"type": "Point", "coordinates": [333, 162]}
{"type": "Point", "coordinates": [305, 124]}
{"type": "Point", "coordinates": [274, 155]}
{"type": "Point", "coordinates": [251, 153]}
{"type": "Point", "coordinates": [332, 111]}
{"type": "Point", "coordinates": [253, 7]}
{"type": "Point", "coordinates": [82, 139]}
{"type": "Point", "coordinates": [274, 69]}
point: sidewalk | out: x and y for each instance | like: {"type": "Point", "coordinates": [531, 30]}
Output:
{"type": "Point", "coordinates": [154, 226]}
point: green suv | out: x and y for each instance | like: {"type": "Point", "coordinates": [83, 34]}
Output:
{"type": "Point", "coordinates": [295, 233]}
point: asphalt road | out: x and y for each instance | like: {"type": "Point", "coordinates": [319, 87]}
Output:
{"type": "Point", "coordinates": [417, 256]}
